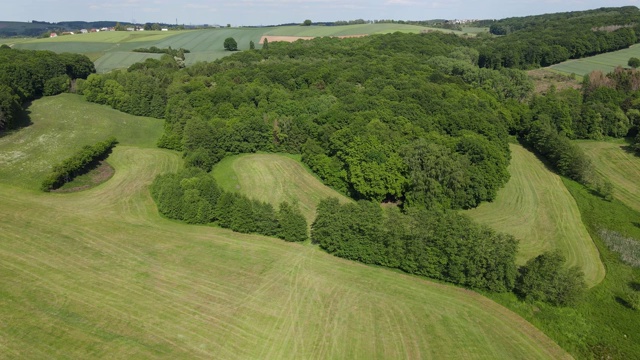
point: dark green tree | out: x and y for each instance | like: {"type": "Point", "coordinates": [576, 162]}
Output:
{"type": "Point", "coordinates": [230, 44]}
{"type": "Point", "coordinates": [292, 226]}
{"type": "Point", "coordinates": [252, 45]}
{"type": "Point", "coordinates": [307, 23]}
{"type": "Point", "coordinates": [545, 278]}
{"type": "Point", "coordinates": [634, 62]}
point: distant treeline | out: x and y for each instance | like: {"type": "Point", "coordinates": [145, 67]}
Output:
{"type": "Point", "coordinates": [27, 74]}
{"type": "Point", "coordinates": [544, 40]}
{"type": "Point", "coordinates": [78, 163]}
{"type": "Point", "coordinates": [169, 51]}
{"type": "Point", "coordinates": [194, 197]}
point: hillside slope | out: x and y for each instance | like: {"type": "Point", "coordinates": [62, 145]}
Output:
{"type": "Point", "coordinates": [619, 165]}
{"type": "Point", "coordinates": [274, 178]}
{"type": "Point", "coordinates": [99, 274]}
{"type": "Point", "coordinates": [538, 210]}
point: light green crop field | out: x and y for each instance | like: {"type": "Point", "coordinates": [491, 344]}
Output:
{"type": "Point", "coordinates": [99, 274]}
{"type": "Point", "coordinates": [357, 29]}
{"type": "Point", "coordinates": [603, 62]}
{"type": "Point", "coordinates": [274, 178]}
{"type": "Point", "coordinates": [539, 211]}
{"type": "Point", "coordinates": [618, 164]}
{"type": "Point", "coordinates": [113, 49]}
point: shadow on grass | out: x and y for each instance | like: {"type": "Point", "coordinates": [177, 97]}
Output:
{"type": "Point", "coordinates": [23, 120]}
{"type": "Point", "coordinates": [634, 285]}
{"type": "Point", "coordinates": [623, 302]}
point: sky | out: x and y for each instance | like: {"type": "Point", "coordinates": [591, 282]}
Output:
{"type": "Point", "coordinates": [273, 12]}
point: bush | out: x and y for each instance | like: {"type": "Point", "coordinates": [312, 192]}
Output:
{"type": "Point", "coordinates": [56, 85]}
{"type": "Point", "coordinates": [544, 278]}
{"type": "Point", "coordinates": [634, 62]}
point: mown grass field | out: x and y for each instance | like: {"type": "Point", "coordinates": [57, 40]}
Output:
{"type": "Point", "coordinates": [99, 274]}
{"type": "Point", "coordinates": [539, 211]}
{"type": "Point", "coordinates": [603, 62]}
{"type": "Point", "coordinates": [60, 126]}
{"type": "Point", "coordinates": [112, 49]}
{"type": "Point", "coordinates": [618, 164]}
{"type": "Point", "coordinates": [274, 178]}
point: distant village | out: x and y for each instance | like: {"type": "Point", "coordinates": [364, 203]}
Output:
{"type": "Point", "coordinates": [86, 31]}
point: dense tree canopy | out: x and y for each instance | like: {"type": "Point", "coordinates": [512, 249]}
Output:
{"type": "Point", "coordinates": [27, 74]}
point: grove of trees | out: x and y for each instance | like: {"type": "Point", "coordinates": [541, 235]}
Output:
{"type": "Point", "coordinates": [28, 74]}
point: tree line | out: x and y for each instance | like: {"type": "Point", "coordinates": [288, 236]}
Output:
{"type": "Point", "coordinates": [193, 196]}
{"type": "Point", "coordinates": [442, 245]}
{"type": "Point", "coordinates": [77, 163]}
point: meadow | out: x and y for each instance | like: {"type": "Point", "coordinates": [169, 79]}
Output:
{"type": "Point", "coordinates": [603, 62]}
{"type": "Point", "coordinates": [99, 273]}
{"type": "Point", "coordinates": [539, 211]}
{"type": "Point", "coordinates": [112, 50]}
{"type": "Point", "coordinates": [274, 178]}
{"type": "Point", "coordinates": [618, 164]}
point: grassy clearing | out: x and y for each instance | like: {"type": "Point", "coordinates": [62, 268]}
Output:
{"type": "Point", "coordinates": [537, 209]}
{"type": "Point", "coordinates": [61, 125]}
{"type": "Point", "coordinates": [603, 62]}
{"type": "Point", "coordinates": [274, 179]}
{"type": "Point", "coordinates": [620, 166]}
{"type": "Point", "coordinates": [99, 274]}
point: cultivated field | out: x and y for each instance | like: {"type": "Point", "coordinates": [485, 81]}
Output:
{"type": "Point", "coordinates": [112, 49]}
{"type": "Point", "coordinates": [274, 178]}
{"type": "Point", "coordinates": [603, 62]}
{"type": "Point", "coordinates": [538, 210]}
{"type": "Point", "coordinates": [621, 166]}
{"type": "Point", "coordinates": [99, 274]}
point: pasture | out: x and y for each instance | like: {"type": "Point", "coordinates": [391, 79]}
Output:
{"type": "Point", "coordinates": [620, 166]}
{"type": "Point", "coordinates": [539, 211]}
{"type": "Point", "coordinates": [99, 274]}
{"type": "Point", "coordinates": [603, 62]}
{"type": "Point", "coordinates": [274, 178]}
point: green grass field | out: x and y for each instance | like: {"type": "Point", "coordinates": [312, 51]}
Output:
{"type": "Point", "coordinates": [274, 178]}
{"type": "Point", "coordinates": [99, 274]}
{"type": "Point", "coordinates": [603, 62]}
{"type": "Point", "coordinates": [112, 49]}
{"type": "Point", "coordinates": [61, 125]}
{"type": "Point", "coordinates": [620, 166]}
{"type": "Point", "coordinates": [537, 209]}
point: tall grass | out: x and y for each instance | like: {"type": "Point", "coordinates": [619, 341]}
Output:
{"type": "Point", "coordinates": [627, 247]}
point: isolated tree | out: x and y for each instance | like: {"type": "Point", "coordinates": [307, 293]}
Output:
{"type": "Point", "coordinates": [230, 44]}
{"type": "Point", "coordinates": [545, 278]}
{"type": "Point", "coordinates": [634, 62]}
{"type": "Point", "coordinates": [307, 22]}
{"type": "Point", "coordinates": [265, 44]}
{"type": "Point", "coordinates": [252, 45]}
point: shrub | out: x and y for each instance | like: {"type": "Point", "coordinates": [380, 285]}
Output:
{"type": "Point", "coordinates": [544, 278]}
